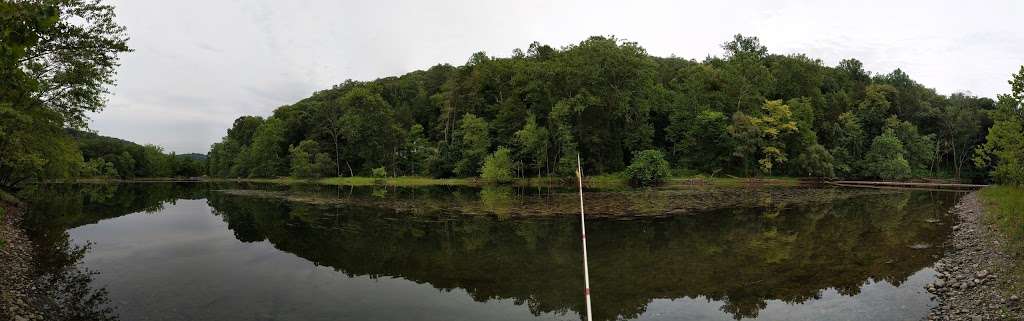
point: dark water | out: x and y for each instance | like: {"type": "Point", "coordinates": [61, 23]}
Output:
{"type": "Point", "coordinates": [188, 252]}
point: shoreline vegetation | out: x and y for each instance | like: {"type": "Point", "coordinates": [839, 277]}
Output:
{"type": "Point", "coordinates": [600, 181]}
{"type": "Point", "coordinates": [597, 181]}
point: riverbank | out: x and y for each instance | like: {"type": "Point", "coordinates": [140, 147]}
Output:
{"type": "Point", "coordinates": [976, 278]}
{"type": "Point", "coordinates": [600, 181]}
{"type": "Point", "coordinates": [15, 264]}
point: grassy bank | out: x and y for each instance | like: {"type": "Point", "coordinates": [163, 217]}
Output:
{"type": "Point", "coordinates": [1004, 209]}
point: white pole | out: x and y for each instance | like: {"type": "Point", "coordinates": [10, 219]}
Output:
{"type": "Point", "coordinates": [583, 232]}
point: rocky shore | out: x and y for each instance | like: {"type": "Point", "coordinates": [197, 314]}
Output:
{"type": "Point", "coordinates": [971, 282]}
{"type": "Point", "coordinates": [15, 268]}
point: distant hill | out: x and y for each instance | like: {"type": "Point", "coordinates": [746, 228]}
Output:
{"type": "Point", "coordinates": [194, 156]}
{"type": "Point", "coordinates": [131, 160]}
{"type": "Point", "coordinates": [96, 145]}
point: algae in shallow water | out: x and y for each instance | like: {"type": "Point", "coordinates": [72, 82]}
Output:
{"type": "Point", "coordinates": [510, 201]}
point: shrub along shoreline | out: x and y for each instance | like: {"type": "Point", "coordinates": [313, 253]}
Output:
{"type": "Point", "coordinates": [599, 181]}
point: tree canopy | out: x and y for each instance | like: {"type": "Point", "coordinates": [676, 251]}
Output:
{"type": "Point", "coordinates": [1003, 151]}
{"type": "Point", "coordinates": [57, 58]}
{"type": "Point", "coordinates": [747, 112]}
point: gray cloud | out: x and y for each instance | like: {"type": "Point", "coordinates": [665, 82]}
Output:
{"type": "Point", "coordinates": [199, 64]}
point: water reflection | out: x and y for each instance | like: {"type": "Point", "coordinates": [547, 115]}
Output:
{"type": "Point", "coordinates": [738, 260]}
{"type": "Point", "coordinates": [742, 257]}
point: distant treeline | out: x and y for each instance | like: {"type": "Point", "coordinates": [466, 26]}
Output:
{"type": "Point", "coordinates": [112, 157]}
{"type": "Point", "coordinates": [745, 113]}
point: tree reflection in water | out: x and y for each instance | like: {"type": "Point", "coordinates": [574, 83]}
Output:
{"type": "Point", "coordinates": [743, 257]}
{"type": "Point", "coordinates": [64, 288]}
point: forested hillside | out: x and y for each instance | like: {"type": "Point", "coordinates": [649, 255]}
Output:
{"type": "Point", "coordinates": [112, 157]}
{"type": "Point", "coordinates": [747, 112]}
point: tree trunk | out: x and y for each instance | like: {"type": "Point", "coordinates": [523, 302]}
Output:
{"type": "Point", "coordinates": [337, 156]}
{"type": "Point", "coordinates": [956, 161]}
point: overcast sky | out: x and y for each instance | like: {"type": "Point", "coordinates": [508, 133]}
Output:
{"type": "Point", "coordinates": [199, 64]}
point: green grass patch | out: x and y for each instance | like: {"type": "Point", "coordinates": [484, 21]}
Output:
{"type": "Point", "coordinates": [614, 180]}
{"type": "Point", "coordinates": [1004, 208]}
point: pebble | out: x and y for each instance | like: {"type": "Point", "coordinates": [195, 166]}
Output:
{"type": "Point", "coordinates": [15, 268]}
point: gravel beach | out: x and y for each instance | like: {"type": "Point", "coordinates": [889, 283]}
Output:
{"type": "Point", "coordinates": [971, 283]}
{"type": "Point", "coordinates": [15, 268]}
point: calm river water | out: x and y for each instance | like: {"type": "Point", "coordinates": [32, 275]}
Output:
{"type": "Point", "coordinates": [188, 251]}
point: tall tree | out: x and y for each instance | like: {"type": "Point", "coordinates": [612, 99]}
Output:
{"type": "Point", "coordinates": [369, 128]}
{"type": "Point", "coordinates": [416, 151]}
{"type": "Point", "coordinates": [960, 123]}
{"type": "Point", "coordinates": [776, 124]}
{"type": "Point", "coordinates": [474, 142]}
{"type": "Point", "coordinates": [763, 136]}
{"type": "Point", "coordinates": [75, 59]}
{"type": "Point", "coordinates": [886, 158]}
{"type": "Point", "coordinates": [700, 142]}
{"type": "Point", "coordinates": [301, 159]}
{"type": "Point", "coordinates": [532, 142]}
{"type": "Point", "coordinates": [57, 58]}
{"type": "Point", "coordinates": [267, 153]}
{"type": "Point", "coordinates": [1003, 150]}
{"type": "Point", "coordinates": [331, 125]}
{"type": "Point", "coordinates": [920, 148]}
{"type": "Point", "coordinates": [874, 109]}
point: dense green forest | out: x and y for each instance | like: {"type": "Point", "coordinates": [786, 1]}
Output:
{"type": "Point", "coordinates": [748, 112]}
{"type": "Point", "coordinates": [112, 157]}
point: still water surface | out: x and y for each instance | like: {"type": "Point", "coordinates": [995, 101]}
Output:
{"type": "Point", "coordinates": [190, 252]}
